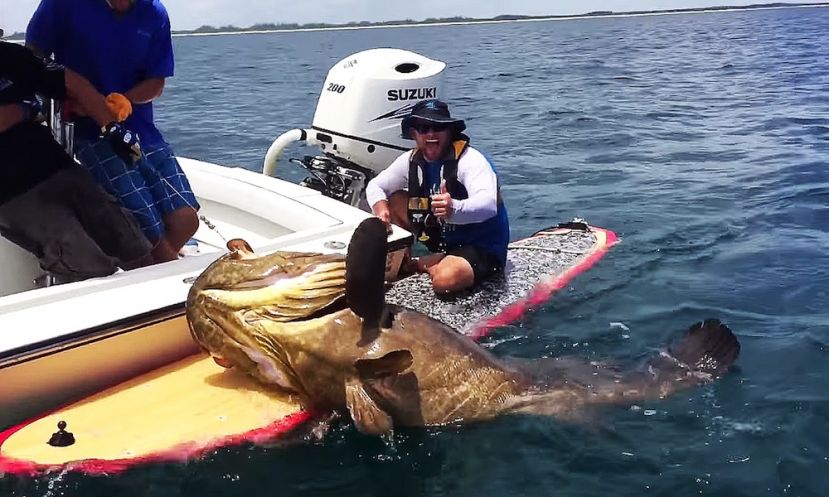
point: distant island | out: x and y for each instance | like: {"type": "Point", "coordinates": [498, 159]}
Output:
{"type": "Point", "coordinates": [277, 27]}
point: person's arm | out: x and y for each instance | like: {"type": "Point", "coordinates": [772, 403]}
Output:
{"type": "Point", "coordinates": [393, 178]}
{"type": "Point", "coordinates": [52, 80]}
{"type": "Point", "coordinates": [93, 103]}
{"type": "Point", "coordinates": [146, 91]}
{"type": "Point", "coordinates": [46, 27]}
{"type": "Point", "coordinates": [481, 183]}
{"type": "Point", "coordinates": [161, 65]}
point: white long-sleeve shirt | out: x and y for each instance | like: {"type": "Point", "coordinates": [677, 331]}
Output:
{"type": "Point", "coordinates": [474, 172]}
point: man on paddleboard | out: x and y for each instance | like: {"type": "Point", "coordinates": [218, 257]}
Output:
{"type": "Point", "coordinates": [446, 192]}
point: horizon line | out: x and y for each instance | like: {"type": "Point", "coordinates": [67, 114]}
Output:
{"type": "Point", "coordinates": [416, 24]}
{"type": "Point", "coordinates": [419, 24]}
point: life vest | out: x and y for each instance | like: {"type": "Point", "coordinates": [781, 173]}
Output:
{"type": "Point", "coordinates": [423, 223]}
{"type": "Point", "coordinates": [449, 172]}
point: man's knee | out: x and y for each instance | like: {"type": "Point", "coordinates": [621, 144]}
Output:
{"type": "Point", "coordinates": [183, 222]}
{"type": "Point", "coordinates": [443, 282]}
{"type": "Point", "coordinates": [451, 277]}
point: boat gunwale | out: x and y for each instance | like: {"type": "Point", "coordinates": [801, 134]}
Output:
{"type": "Point", "coordinates": [62, 343]}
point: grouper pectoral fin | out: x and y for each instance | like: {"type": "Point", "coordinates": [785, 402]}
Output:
{"type": "Point", "coordinates": [379, 383]}
{"type": "Point", "coordinates": [390, 364]}
{"type": "Point", "coordinates": [368, 417]}
{"type": "Point", "coordinates": [365, 271]}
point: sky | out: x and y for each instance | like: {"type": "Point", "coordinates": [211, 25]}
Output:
{"type": "Point", "coordinates": [190, 14]}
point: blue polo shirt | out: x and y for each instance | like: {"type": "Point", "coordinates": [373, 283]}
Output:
{"type": "Point", "coordinates": [113, 51]}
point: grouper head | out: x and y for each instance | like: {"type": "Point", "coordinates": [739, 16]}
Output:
{"type": "Point", "coordinates": [230, 300]}
{"type": "Point", "coordinates": [319, 326]}
{"type": "Point", "coordinates": [285, 318]}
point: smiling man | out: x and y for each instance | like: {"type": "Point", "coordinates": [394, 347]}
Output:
{"type": "Point", "coordinates": [447, 194]}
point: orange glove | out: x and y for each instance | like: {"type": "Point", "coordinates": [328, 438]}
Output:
{"type": "Point", "coordinates": [119, 105]}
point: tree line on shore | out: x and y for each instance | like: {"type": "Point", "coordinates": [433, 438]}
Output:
{"type": "Point", "coordinates": [442, 20]}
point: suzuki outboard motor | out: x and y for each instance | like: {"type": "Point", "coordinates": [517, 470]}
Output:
{"type": "Point", "coordinates": [357, 120]}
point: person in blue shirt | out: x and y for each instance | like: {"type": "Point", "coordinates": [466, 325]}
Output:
{"type": "Point", "coordinates": [446, 193]}
{"type": "Point", "coordinates": [124, 46]}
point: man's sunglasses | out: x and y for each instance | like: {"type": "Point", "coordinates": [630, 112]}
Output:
{"type": "Point", "coordinates": [424, 127]}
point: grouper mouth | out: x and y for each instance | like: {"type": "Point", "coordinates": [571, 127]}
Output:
{"type": "Point", "coordinates": [236, 305]}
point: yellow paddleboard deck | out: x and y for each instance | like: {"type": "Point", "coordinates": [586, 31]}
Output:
{"type": "Point", "coordinates": [172, 413]}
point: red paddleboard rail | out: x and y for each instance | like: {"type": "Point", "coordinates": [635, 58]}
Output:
{"type": "Point", "coordinates": [542, 291]}
{"type": "Point", "coordinates": [178, 453]}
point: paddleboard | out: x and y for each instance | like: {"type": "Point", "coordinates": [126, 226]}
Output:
{"type": "Point", "coordinates": [173, 413]}
{"type": "Point", "coordinates": [537, 266]}
{"type": "Point", "coordinates": [192, 406]}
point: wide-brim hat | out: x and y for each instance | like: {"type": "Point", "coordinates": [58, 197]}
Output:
{"type": "Point", "coordinates": [433, 111]}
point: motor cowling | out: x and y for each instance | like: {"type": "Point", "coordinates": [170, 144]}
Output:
{"type": "Point", "coordinates": [363, 100]}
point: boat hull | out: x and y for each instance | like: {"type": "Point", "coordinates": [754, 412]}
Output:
{"type": "Point", "coordinates": [38, 380]}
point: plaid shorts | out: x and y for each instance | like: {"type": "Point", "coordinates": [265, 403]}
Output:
{"type": "Point", "coordinates": [151, 189]}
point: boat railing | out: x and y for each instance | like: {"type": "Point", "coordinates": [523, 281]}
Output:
{"type": "Point", "coordinates": [64, 132]}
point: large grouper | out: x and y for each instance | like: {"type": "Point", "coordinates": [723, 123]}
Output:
{"type": "Point", "coordinates": [317, 325]}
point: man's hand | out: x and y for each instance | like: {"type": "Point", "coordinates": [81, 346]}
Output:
{"type": "Point", "coordinates": [381, 210]}
{"type": "Point", "coordinates": [124, 142]}
{"type": "Point", "coordinates": [119, 105]}
{"type": "Point", "coordinates": [442, 203]}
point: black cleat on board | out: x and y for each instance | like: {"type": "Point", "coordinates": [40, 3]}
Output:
{"type": "Point", "coordinates": [61, 438]}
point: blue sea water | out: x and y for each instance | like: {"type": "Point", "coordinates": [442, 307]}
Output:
{"type": "Point", "coordinates": [702, 140]}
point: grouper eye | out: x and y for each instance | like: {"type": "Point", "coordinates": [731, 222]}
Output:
{"type": "Point", "coordinates": [221, 361]}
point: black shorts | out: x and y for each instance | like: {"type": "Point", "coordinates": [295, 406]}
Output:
{"type": "Point", "coordinates": [483, 263]}
{"type": "Point", "coordinates": [73, 226]}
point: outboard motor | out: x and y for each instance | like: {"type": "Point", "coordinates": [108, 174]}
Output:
{"type": "Point", "coordinates": [357, 120]}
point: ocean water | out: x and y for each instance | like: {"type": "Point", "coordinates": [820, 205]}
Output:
{"type": "Point", "coordinates": [702, 140]}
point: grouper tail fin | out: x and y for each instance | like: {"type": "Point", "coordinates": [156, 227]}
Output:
{"type": "Point", "coordinates": [707, 347]}
{"type": "Point", "coordinates": [365, 270]}
{"type": "Point", "coordinates": [701, 355]}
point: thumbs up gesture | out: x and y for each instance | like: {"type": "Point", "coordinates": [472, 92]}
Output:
{"type": "Point", "coordinates": [442, 203]}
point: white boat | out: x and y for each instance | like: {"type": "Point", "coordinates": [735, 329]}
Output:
{"type": "Point", "coordinates": [61, 342]}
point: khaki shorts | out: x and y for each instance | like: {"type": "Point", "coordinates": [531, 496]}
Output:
{"type": "Point", "coordinates": [74, 227]}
